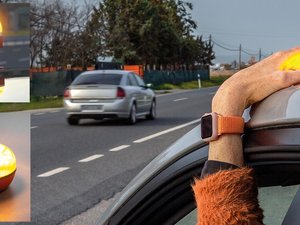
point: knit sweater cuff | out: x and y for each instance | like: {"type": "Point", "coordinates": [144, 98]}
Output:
{"type": "Point", "coordinates": [228, 197]}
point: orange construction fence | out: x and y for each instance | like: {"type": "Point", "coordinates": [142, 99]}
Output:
{"type": "Point", "coordinates": [138, 69]}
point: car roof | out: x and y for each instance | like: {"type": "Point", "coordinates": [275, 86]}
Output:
{"type": "Point", "coordinates": [121, 72]}
{"type": "Point", "coordinates": [280, 109]}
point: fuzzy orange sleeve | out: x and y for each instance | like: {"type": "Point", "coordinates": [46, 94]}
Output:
{"type": "Point", "coordinates": [228, 197]}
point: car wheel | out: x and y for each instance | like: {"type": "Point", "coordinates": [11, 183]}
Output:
{"type": "Point", "coordinates": [73, 121]}
{"type": "Point", "coordinates": [132, 115]}
{"type": "Point", "coordinates": [152, 112]}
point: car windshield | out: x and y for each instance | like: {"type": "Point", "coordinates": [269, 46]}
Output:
{"type": "Point", "coordinates": [100, 78]}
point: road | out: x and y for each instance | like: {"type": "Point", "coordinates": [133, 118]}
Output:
{"type": "Point", "coordinates": [75, 167]}
{"type": "Point", "coordinates": [15, 52]}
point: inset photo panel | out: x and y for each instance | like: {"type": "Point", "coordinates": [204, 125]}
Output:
{"type": "Point", "coordinates": [14, 52]}
{"type": "Point", "coordinates": [15, 169]}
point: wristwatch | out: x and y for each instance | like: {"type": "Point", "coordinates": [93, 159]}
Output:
{"type": "Point", "coordinates": [213, 125]}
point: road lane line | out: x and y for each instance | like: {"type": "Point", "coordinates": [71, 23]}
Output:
{"type": "Point", "coordinates": [55, 111]}
{"type": "Point", "coordinates": [119, 148]}
{"type": "Point", "coordinates": [166, 131]}
{"type": "Point", "coordinates": [180, 99]}
{"type": "Point", "coordinates": [24, 59]}
{"type": "Point", "coordinates": [34, 127]}
{"type": "Point", "coordinates": [91, 158]}
{"type": "Point", "coordinates": [38, 114]}
{"type": "Point", "coordinates": [53, 172]}
{"type": "Point", "coordinates": [212, 93]}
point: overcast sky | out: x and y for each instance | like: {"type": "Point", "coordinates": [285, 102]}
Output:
{"type": "Point", "coordinates": [271, 25]}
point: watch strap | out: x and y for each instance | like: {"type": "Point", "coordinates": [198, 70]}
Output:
{"type": "Point", "coordinates": [230, 125]}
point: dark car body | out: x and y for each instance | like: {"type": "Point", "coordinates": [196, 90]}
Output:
{"type": "Point", "coordinates": [161, 193]}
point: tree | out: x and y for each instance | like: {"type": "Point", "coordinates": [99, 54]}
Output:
{"type": "Point", "coordinates": [147, 32]}
{"type": "Point", "coordinates": [56, 28]}
{"type": "Point", "coordinates": [156, 32]}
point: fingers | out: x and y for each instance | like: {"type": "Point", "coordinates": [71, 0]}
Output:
{"type": "Point", "coordinates": [291, 78]}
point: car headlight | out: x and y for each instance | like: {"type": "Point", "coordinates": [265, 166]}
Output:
{"type": "Point", "coordinates": [8, 166]}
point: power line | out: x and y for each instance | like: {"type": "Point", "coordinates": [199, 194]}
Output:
{"type": "Point", "coordinates": [239, 49]}
{"type": "Point", "coordinates": [248, 53]}
{"type": "Point", "coordinates": [221, 46]}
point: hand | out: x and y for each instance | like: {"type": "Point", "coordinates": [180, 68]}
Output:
{"type": "Point", "coordinates": [243, 89]}
{"type": "Point", "coordinates": [254, 83]}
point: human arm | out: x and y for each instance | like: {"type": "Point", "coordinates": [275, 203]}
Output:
{"type": "Point", "coordinates": [223, 196]}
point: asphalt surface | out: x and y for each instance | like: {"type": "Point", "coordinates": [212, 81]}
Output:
{"type": "Point", "coordinates": [76, 167]}
{"type": "Point", "coordinates": [15, 52]}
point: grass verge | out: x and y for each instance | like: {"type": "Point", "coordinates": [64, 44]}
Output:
{"type": "Point", "coordinates": [214, 81]}
{"type": "Point", "coordinates": [35, 103]}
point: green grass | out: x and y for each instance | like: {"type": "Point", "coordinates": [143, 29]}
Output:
{"type": "Point", "coordinates": [55, 102]}
{"type": "Point", "coordinates": [35, 103]}
{"type": "Point", "coordinates": [214, 81]}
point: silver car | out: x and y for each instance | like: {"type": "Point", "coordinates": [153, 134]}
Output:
{"type": "Point", "coordinates": [109, 94]}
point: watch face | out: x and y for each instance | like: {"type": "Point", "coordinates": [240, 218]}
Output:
{"type": "Point", "coordinates": [206, 126]}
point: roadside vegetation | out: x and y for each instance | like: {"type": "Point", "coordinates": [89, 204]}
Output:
{"type": "Point", "coordinates": [35, 103]}
{"type": "Point", "coordinates": [214, 81]}
{"type": "Point", "coordinates": [140, 32]}
{"type": "Point", "coordinates": [56, 102]}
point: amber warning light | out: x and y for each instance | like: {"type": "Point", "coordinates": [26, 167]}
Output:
{"type": "Point", "coordinates": [291, 63]}
{"type": "Point", "coordinates": [8, 167]}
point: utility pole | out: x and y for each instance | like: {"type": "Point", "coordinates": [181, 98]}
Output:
{"type": "Point", "coordinates": [240, 57]}
{"type": "Point", "coordinates": [259, 54]}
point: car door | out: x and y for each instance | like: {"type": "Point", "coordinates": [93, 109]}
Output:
{"type": "Point", "coordinates": [136, 92]}
{"type": "Point", "coordinates": [146, 93]}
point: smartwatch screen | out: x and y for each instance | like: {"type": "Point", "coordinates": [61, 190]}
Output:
{"type": "Point", "coordinates": [206, 126]}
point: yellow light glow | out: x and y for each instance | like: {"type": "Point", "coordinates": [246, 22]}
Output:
{"type": "Point", "coordinates": [1, 89]}
{"type": "Point", "coordinates": [292, 62]}
{"type": "Point", "coordinates": [8, 163]}
{"type": "Point", "coordinates": [1, 29]}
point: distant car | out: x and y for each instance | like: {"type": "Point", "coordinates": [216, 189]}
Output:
{"type": "Point", "coordinates": [109, 94]}
{"type": "Point", "coordinates": [161, 193]}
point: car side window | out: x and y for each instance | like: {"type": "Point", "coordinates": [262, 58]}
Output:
{"type": "Point", "coordinates": [275, 202]}
{"type": "Point", "coordinates": [132, 80]}
{"type": "Point", "coordinates": [128, 81]}
{"type": "Point", "coordinates": [139, 80]}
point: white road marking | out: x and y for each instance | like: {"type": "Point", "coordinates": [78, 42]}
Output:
{"type": "Point", "coordinates": [212, 93]}
{"type": "Point", "coordinates": [34, 127]}
{"type": "Point", "coordinates": [55, 111]}
{"type": "Point", "coordinates": [15, 43]}
{"type": "Point", "coordinates": [53, 172]}
{"type": "Point", "coordinates": [119, 148]}
{"type": "Point", "coordinates": [91, 158]}
{"type": "Point", "coordinates": [25, 59]}
{"type": "Point", "coordinates": [180, 99]}
{"type": "Point", "coordinates": [166, 131]}
{"type": "Point", "coordinates": [38, 114]}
